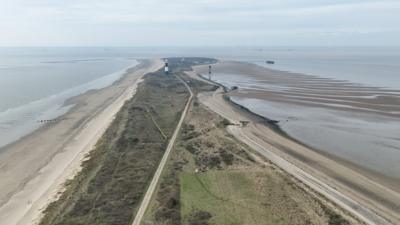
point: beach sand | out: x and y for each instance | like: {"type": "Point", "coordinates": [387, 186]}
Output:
{"type": "Point", "coordinates": [34, 169]}
{"type": "Point", "coordinates": [376, 191]}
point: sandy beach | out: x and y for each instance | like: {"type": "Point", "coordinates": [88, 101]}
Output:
{"type": "Point", "coordinates": [34, 169]}
{"type": "Point", "coordinates": [375, 191]}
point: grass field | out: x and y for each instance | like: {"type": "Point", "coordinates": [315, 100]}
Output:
{"type": "Point", "coordinates": [231, 196]}
{"type": "Point", "coordinates": [234, 197]}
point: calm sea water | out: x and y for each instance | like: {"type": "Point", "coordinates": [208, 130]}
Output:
{"type": "Point", "coordinates": [35, 82]}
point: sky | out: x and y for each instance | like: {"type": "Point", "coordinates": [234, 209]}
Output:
{"type": "Point", "coordinates": [199, 23]}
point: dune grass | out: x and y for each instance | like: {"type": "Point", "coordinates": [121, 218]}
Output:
{"type": "Point", "coordinates": [115, 175]}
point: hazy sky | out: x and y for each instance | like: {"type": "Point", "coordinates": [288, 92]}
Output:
{"type": "Point", "coordinates": [199, 22]}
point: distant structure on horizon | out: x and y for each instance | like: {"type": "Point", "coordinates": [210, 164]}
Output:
{"type": "Point", "coordinates": [209, 72]}
{"type": "Point", "coordinates": [166, 69]}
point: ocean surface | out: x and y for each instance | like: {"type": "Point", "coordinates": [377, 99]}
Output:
{"type": "Point", "coordinates": [35, 82]}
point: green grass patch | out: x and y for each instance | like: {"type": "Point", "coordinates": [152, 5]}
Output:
{"type": "Point", "coordinates": [238, 197]}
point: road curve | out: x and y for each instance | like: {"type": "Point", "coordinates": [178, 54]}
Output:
{"type": "Point", "coordinates": [248, 135]}
{"type": "Point", "coordinates": [150, 191]}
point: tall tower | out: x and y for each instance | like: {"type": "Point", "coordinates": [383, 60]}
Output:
{"type": "Point", "coordinates": [209, 72]}
{"type": "Point", "coordinates": [166, 69]}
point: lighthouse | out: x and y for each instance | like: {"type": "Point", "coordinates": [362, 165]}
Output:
{"type": "Point", "coordinates": [166, 69]}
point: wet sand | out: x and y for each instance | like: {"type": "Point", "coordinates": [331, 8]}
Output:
{"type": "Point", "coordinates": [281, 95]}
{"type": "Point", "coordinates": [34, 169]}
{"type": "Point", "coordinates": [279, 86]}
{"type": "Point", "coordinates": [357, 123]}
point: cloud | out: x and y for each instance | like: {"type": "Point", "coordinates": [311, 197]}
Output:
{"type": "Point", "coordinates": [268, 21]}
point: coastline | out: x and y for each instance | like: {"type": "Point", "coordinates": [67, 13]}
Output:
{"type": "Point", "coordinates": [274, 125]}
{"type": "Point", "coordinates": [364, 186]}
{"type": "Point", "coordinates": [35, 168]}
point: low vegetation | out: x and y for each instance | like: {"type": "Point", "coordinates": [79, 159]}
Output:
{"type": "Point", "coordinates": [211, 178]}
{"type": "Point", "coordinates": [117, 172]}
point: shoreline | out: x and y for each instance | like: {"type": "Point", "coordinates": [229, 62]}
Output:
{"type": "Point", "coordinates": [50, 108]}
{"type": "Point", "coordinates": [350, 179]}
{"type": "Point", "coordinates": [362, 132]}
{"type": "Point", "coordinates": [274, 125]}
{"type": "Point", "coordinates": [42, 167]}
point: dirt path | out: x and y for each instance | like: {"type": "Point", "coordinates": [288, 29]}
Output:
{"type": "Point", "coordinates": [270, 144]}
{"type": "Point", "coordinates": [152, 187]}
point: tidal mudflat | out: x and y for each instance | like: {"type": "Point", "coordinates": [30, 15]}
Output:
{"type": "Point", "coordinates": [358, 123]}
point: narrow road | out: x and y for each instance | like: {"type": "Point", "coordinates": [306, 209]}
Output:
{"type": "Point", "coordinates": [150, 191]}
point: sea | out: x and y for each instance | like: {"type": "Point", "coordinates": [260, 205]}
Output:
{"type": "Point", "coordinates": [35, 82]}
